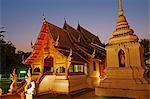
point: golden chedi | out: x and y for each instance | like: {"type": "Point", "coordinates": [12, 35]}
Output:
{"type": "Point", "coordinates": [124, 64]}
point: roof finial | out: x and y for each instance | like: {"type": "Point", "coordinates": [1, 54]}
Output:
{"type": "Point", "coordinates": [120, 8]}
{"type": "Point", "coordinates": [65, 19]}
{"type": "Point", "coordinates": [78, 22]}
{"type": "Point", "coordinates": [43, 17]}
{"type": "Point", "coordinates": [32, 45]}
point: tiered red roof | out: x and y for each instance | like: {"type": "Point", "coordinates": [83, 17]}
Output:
{"type": "Point", "coordinates": [83, 43]}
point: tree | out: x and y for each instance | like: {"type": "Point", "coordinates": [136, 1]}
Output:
{"type": "Point", "coordinates": [8, 59]}
{"type": "Point", "coordinates": [2, 31]}
{"type": "Point", "coordinates": [146, 44]}
{"type": "Point", "coordinates": [1, 41]}
{"type": "Point", "coordinates": [7, 54]}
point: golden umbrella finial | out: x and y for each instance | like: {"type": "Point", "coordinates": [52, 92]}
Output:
{"type": "Point", "coordinates": [120, 8]}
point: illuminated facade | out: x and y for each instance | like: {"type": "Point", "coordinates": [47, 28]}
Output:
{"type": "Point", "coordinates": [65, 60]}
{"type": "Point", "coordinates": [125, 64]}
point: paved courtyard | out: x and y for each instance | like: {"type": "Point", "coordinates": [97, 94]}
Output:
{"type": "Point", "coordinates": [90, 94]}
{"type": "Point", "coordinates": [86, 94]}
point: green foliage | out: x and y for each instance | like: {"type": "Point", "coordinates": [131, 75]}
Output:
{"type": "Point", "coordinates": [146, 44]}
{"type": "Point", "coordinates": [7, 57]}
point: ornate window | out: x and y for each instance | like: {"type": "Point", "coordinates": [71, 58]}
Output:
{"type": "Point", "coordinates": [76, 68]}
{"type": "Point", "coordinates": [60, 69]}
{"type": "Point", "coordinates": [71, 70]}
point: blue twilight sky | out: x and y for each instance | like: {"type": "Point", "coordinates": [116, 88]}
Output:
{"type": "Point", "coordinates": [23, 18]}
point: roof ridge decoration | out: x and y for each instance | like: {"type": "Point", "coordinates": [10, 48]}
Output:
{"type": "Point", "coordinates": [65, 20]}
{"type": "Point", "coordinates": [78, 23]}
{"type": "Point", "coordinates": [93, 54]}
{"type": "Point", "coordinates": [70, 54]}
{"type": "Point", "coordinates": [57, 40]}
{"type": "Point", "coordinates": [65, 23]}
{"type": "Point", "coordinates": [43, 18]}
{"type": "Point", "coordinates": [79, 37]}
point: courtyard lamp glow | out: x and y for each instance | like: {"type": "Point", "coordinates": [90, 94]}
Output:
{"type": "Point", "coordinates": [22, 72]}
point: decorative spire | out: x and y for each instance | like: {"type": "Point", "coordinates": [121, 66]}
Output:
{"type": "Point", "coordinates": [78, 23]}
{"type": "Point", "coordinates": [78, 27]}
{"type": "Point", "coordinates": [120, 8]}
{"type": "Point", "coordinates": [65, 24]}
{"type": "Point", "coordinates": [122, 26]}
{"type": "Point", "coordinates": [43, 17]}
{"type": "Point", "coordinates": [65, 20]}
{"type": "Point", "coordinates": [32, 45]}
{"type": "Point", "coordinates": [123, 32]}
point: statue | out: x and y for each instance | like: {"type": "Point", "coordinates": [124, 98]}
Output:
{"type": "Point", "coordinates": [13, 86]}
{"type": "Point", "coordinates": [30, 86]}
{"type": "Point", "coordinates": [28, 80]}
{"type": "Point", "coordinates": [121, 58]}
{"type": "Point", "coordinates": [30, 91]}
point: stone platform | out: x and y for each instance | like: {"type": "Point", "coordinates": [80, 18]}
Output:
{"type": "Point", "coordinates": [116, 92]}
{"type": "Point", "coordinates": [124, 88]}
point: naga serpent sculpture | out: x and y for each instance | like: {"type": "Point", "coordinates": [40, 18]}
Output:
{"type": "Point", "coordinates": [29, 89]}
{"type": "Point", "coordinates": [13, 86]}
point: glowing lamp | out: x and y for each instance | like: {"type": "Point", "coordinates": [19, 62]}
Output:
{"type": "Point", "coordinates": [22, 72]}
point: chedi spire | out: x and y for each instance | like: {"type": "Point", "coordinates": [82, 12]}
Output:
{"type": "Point", "coordinates": [122, 26]}
{"type": "Point", "coordinates": [120, 8]}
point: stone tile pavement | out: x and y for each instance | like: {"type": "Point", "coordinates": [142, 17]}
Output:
{"type": "Point", "coordinates": [89, 94]}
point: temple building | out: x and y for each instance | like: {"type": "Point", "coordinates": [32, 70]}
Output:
{"type": "Point", "coordinates": [124, 64]}
{"type": "Point", "coordinates": [66, 60]}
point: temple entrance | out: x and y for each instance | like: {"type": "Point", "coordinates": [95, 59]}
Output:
{"type": "Point", "coordinates": [48, 64]}
{"type": "Point", "coordinates": [121, 56]}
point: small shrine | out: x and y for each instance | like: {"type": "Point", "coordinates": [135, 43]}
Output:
{"type": "Point", "coordinates": [124, 64]}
